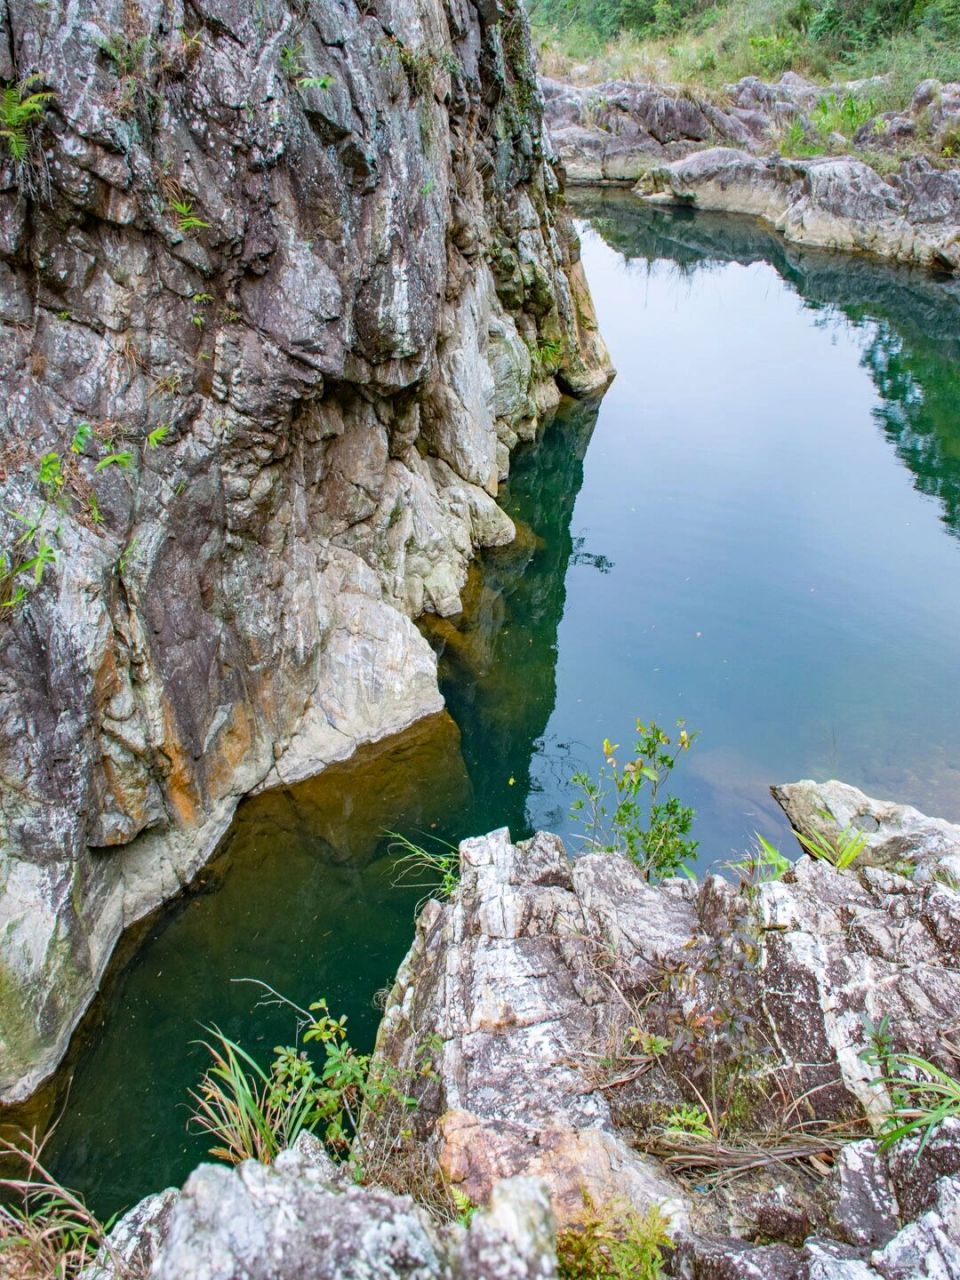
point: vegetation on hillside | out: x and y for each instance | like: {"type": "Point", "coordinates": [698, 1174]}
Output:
{"type": "Point", "coordinates": [710, 44]}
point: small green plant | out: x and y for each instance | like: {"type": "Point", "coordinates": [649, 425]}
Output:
{"type": "Point", "coordinates": [81, 437]}
{"type": "Point", "coordinates": [21, 571]}
{"type": "Point", "coordinates": [186, 219]}
{"type": "Point", "coordinates": [127, 53]}
{"type": "Point", "coordinates": [46, 1231]}
{"type": "Point", "coordinates": [254, 1113]}
{"type": "Point", "coordinates": [922, 1094]}
{"type": "Point", "coordinates": [314, 82]}
{"type": "Point", "coordinates": [291, 60]}
{"type": "Point", "coordinates": [625, 811]}
{"type": "Point", "coordinates": [647, 1042]}
{"type": "Point", "coordinates": [762, 865]}
{"type": "Point", "coordinates": [464, 1206]}
{"type": "Point", "coordinates": [614, 1243]}
{"type": "Point", "coordinates": [157, 436]}
{"type": "Point", "coordinates": [22, 107]}
{"type": "Point", "coordinates": [437, 870]}
{"type": "Point", "coordinates": [841, 851]}
{"type": "Point", "coordinates": [688, 1121]}
{"type": "Point", "coordinates": [122, 459]}
{"type": "Point", "coordinates": [50, 475]}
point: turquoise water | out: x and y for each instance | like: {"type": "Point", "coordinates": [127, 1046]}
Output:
{"type": "Point", "coordinates": [757, 531]}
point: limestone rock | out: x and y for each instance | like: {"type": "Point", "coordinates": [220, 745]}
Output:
{"type": "Point", "coordinates": [834, 202]}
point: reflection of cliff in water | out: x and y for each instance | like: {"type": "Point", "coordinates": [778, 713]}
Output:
{"type": "Point", "coordinates": [910, 319]}
{"type": "Point", "coordinates": [498, 658]}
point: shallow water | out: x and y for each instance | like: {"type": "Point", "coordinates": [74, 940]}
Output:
{"type": "Point", "coordinates": [757, 532]}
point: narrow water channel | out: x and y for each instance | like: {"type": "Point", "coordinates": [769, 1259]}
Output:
{"type": "Point", "coordinates": [757, 531]}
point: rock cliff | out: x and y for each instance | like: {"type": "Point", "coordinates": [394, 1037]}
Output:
{"type": "Point", "coordinates": [281, 286]}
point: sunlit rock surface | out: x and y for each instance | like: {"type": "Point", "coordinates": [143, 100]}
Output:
{"type": "Point", "coordinates": [535, 972]}
{"type": "Point", "coordinates": [319, 253]}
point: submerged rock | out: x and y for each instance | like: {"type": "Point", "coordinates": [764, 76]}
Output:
{"type": "Point", "coordinates": [279, 290]}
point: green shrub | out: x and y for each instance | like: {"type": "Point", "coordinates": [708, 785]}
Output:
{"type": "Point", "coordinates": [626, 810]}
{"type": "Point", "coordinates": [614, 1243]}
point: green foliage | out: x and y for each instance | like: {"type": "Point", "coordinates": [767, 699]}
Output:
{"type": "Point", "coordinates": [22, 108]}
{"type": "Point", "coordinates": [23, 565]}
{"type": "Point", "coordinates": [437, 870]}
{"type": "Point", "coordinates": [841, 851]}
{"type": "Point", "coordinates": [122, 459]}
{"type": "Point", "coordinates": [922, 1094]}
{"type": "Point", "coordinates": [81, 437]}
{"type": "Point", "coordinates": [463, 1204]}
{"type": "Point", "coordinates": [291, 60]}
{"type": "Point", "coordinates": [763, 864]}
{"type": "Point", "coordinates": [46, 1230]}
{"type": "Point", "coordinates": [647, 1042]}
{"type": "Point", "coordinates": [186, 219]}
{"type": "Point", "coordinates": [127, 53]}
{"type": "Point", "coordinates": [156, 437]}
{"type": "Point", "coordinates": [614, 1243]}
{"type": "Point", "coordinates": [626, 809]}
{"type": "Point", "coordinates": [254, 1113]}
{"type": "Point", "coordinates": [711, 44]}
{"type": "Point", "coordinates": [688, 1121]}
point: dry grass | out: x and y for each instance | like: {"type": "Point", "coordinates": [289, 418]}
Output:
{"type": "Point", "coordinates": [46, 1231]}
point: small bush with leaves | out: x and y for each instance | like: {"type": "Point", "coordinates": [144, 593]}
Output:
{"type": "Point", "coordinates": [614, 1243]}
{"type": "Point", "coordinates": [254, 1113]}
{"type": "Point", "coordinates": [626, 811]}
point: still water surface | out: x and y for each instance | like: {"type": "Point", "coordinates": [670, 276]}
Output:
{"type": "Point", "coordinates": [757, 531]}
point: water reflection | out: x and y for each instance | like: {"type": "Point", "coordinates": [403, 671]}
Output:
{"type": "Point", "coordinates": [910, 320]}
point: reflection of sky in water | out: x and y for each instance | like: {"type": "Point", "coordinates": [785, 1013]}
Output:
{"type": "Point", "coordinates": [743, 546]}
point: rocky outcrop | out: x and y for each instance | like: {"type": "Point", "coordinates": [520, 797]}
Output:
{"type": "Point", "coordinates": [725, 155]}
{"type": "Point", "coordinates": [833, 202]}
{"type": "Point", "coordinates": [279, 291]}
{"type": "Point", "coordinates": [300, 1220]}
{"type": "Point", "coordinates": [580, 1009]}
{"type": "Point", "coordinates": [618, 130]}
{"type": "Point", "coordinates": [615, 132]}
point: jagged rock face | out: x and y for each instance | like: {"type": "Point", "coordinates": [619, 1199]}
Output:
{"type": "Point", "coordinates": [299, 1220]}
{"type": "Point", "coordinates": [301, 272]}
{"type": "Point", "coordinates": [615, 132]}
{"type": "Point", "coordinates": [539, 973]}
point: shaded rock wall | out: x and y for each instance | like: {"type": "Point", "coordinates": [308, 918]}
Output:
{"type": "Point", "coordinates": [301, 272]}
